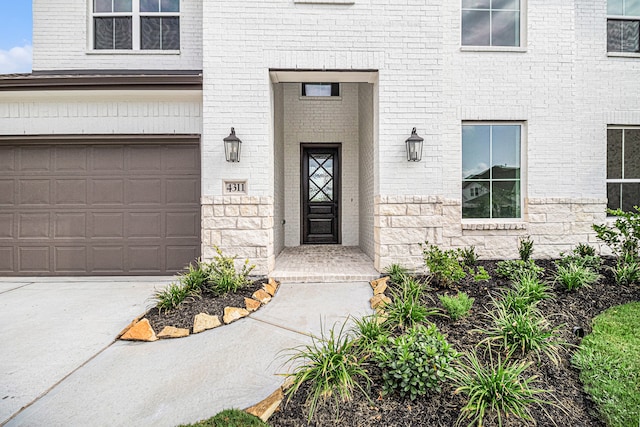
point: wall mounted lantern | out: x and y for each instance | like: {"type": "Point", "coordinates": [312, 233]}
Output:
{"type": "Point", "coordinates": [232, 145]}
{"type": "Point", "coordinates": [414, 147]}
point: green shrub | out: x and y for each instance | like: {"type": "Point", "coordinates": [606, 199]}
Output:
{"type": "Point", "coordinates": [223, 275]}
{"type": "Point", "coordinates": [626, 271]}
{"type": "Point", "coordinates": [481, 275]}
{"type": "Point", "coordinates": [499, 389]}
{"type": "Point", "coordinates": [332, 366]}
{"type": "Point", "coordinates": [196, 276]}
{"type": "Point", "coordinates": [416, 362]}
{"type": "Point", "coordinates": [623, 237]}
{"type": "Point", "coordinates": [469, 256]}
{"type": "Point", "coordinates": [574, 276]}
{"type": "Point", "coordinates": [457, 306]}
{"type": "Point", "coordinates": [591, 262]}
{"type": "Point", "coordinates": [173, 295]}
{"type": "Point", "coordinates": [406, 308]}
{"type": "Point", "coordinates": [528, 285]}
{"type": "Point", "coordinates": [371, 332]}
{"type": "Point", "coordinates": [512, 268]}
{"type": "Point", "coordinates": [396, 272]}
{"type": "Point", "coordinates": [584, 250]}
{"type": "Point", "coordinates": [525, 248]}
{"type": "Point", "coordinates": [230, 418]}
{"type": "Point", "coordinates": [523, 332]}
{"type": "Point", "coordinates": [445, 266]}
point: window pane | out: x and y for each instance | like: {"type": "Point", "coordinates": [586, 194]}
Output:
{"type": "Point", "coordinates": [630, 196]}
{"type": "Point", "coordinates": [475, 199]}
{"type": "Point", "coordinates": [150, 33]}
{"type": "Point", "coordinates": [103, 33]}
{"type": "Point", "coordinates": [505, 4]}
{"type": "Point", "coordinates": [506, 199]}
{"type": "Point", "coordinates": [475, 151]}
{"type": "Point", "coordinates": [630, 36]}
{"type": "Point", "coordinates": [632, 7]}
{"type": "Point", "coordinates": [122, 33]}
{"type": "Point", "coordinates": [506, 152]}
{"type": "Point", "coordinates": [122, 6]}
{"type": "Point", "coordinates": [149, 6]}
{"type": "Point", "coordinates": [613, 196]}
{"type": "Point", "coordinates": [614, 154]}
{"type": "Point", "coordinates": [632, 154]}
{"type": "Point", "coordinates": [614, 7]}
{"type": "Point", "coordinates": [170, 33]}
{"type": "Point", "coordinates": [475, 28]}
{"type": "Point", "coordinates": [102, 6]}
{"type": "Point", "coordinates": [170, 6]}
{"type": "Point", "coordinates": [505, 29]}
{"type": "Point", "coordinates": [614, 36]}
{"type": "Point", "coordinates": [317, 89]}
{"type": "Point", "coordinates": [476, 4]}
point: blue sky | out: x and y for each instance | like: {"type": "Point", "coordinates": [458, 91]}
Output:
{"type": "Point", "coordinates": [15, 36]}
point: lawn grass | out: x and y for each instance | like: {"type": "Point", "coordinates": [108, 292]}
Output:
{"type": "Point", "coordinates": [230, 418]}
{"type": "Point", "coordinates": [609, 361]}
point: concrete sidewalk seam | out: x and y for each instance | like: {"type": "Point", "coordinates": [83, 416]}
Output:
{"type": "Point", "coordinates": [19, 287]}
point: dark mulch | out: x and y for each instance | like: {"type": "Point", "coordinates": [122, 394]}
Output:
{"type": "Point", "coordinates": [214, 305]}
{"type": "Point", "coordinates": [567, 308]}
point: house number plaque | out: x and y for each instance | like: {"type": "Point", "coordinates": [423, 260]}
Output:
{"type": "Point", "coordinates": [235, 187]}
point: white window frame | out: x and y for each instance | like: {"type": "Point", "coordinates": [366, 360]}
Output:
{"type": "Point", "coordinates": [523, 35]}
{"type": "Point", "coordinates": [523, 169]}
{"type": "Point", "coordinates": [135, 15]}
{"type": "Point", "coordinates": [620, 18]}
{"type": "Point", "coordinates": [620, 180]}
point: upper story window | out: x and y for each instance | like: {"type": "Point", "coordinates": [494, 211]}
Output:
{"type": "Point", "coordinates": [491, 171]}
{"type": "Point", "coordinates": [623, 26]}
{"type": "Point", "coordinates": [623, 167]}
{"type": "Point", "coordinates": [136, 24]}
{"type": "Point", "coordinates": [491, 23]}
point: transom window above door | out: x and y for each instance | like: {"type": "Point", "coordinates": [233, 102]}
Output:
{"type": "Point", "coordinates": [492, 23]}
{"type": "Point", "coordinates": [136, 25]}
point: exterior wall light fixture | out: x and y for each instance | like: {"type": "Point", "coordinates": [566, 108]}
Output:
{"type": "Point", "coordinates": [232, 145]}
{"type": "Point", "coordinates": [414, 147]}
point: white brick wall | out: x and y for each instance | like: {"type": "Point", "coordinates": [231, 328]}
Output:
{"type": "Point", "coordinates": [367, 157]}
{"type": "Point", "coordinates": [61, 40]}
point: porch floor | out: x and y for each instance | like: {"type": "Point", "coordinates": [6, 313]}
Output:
{"type": "Point", "coordinates": [323, 263]}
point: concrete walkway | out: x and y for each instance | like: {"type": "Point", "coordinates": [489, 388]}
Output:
{"type": "Point", "coordinates": [58, 356]}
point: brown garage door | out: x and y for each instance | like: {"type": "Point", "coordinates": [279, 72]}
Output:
{"type": "Point", "coordinates": [99, 208]}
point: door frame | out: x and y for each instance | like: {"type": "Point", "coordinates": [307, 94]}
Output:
{"type": "Point", "coordinates": [337, 189]}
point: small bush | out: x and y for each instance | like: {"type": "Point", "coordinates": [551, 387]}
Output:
{"type": "Point", "coordinates": [626, 271]}
{"type": "Point", "coordinates": [406, 308]}
{"type": "Point", "coordinates": [525, 248]}
{"type": "Point", "coordinates": [445, 266]}
{"type": "Point", "coordinates": [332, 366]}
{"type": "Point", "coordinates": [623, 237]}
{"type": "Point", "coordinates": [528, 285]}
{"type": "Point", "coordinates": [511, 269]}
{"type": "Point", "coordinates": [223, 275]}
{"type": "Point", "coordinates": [396, 272]}
{"type": "Point", "coordinates": [457, 306]}
{"type": "Point", "coordinates": [481, 275]}
{"type": "Point", "coordinates": [469, 256]}
{"type": "Point", "coordinates": [371, 332]}
{"type": "Point", "coordinates": [523, 332]}
{"type": "Point", "coordinates": [230, 418]}
{"type": "Point", "coordinates": [584, 250]}
{"type": "Point", "coordinates": [574, 276]}
{"type": "Point", "coordinates": [499, 389]}
{"type": "Point", "coordinates": [172, 296]}
{"type": "Point", "coordinates": [416, 362]}
{"type": "Point", "coordinates": [196, 276]}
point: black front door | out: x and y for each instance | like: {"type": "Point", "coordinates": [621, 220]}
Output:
{"type": "Point", "coordinates": [320, 193]}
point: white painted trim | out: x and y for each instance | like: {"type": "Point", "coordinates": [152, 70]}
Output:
{"type": "Point", "coordinates": [323, 76]}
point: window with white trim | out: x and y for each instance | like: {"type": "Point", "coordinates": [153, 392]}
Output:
{"type": "Point", "coordinates": [623, 26]}
{"type": "Point", "coordinates": [623, 167]}
{"type": "Point", "coordinates": [492, 23]}
{"type": "Point", "coordinates": [136, 24]}
{"type": "Point", "coordinates": [491, 159]}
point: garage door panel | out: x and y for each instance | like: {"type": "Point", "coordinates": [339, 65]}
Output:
{"type": "Point", "coordinates": [34, 259]}
{"type": "Point", "coordinates": [34, 225]}
{"type": "Point", "coordinates": [185, 225]}
{"type": "Point", "coordinates": [7, 195]}
{"type": "Point", "coordinates": [108, 159]}
{"type": "Point", "coordinates": [143, 225]}
{"type": "Point", "coordinates": [177, 254]}
{"type": "Point", "coordinates": [70, 192]}
{"type": "Point", "coordinates": [71, 225]}
{"type": "Point", "coordinates": [182, 158]}
{"type": "Point", "coordinates": [107, 225]}
{"type": "Point", "coordinates": [144, 259]}
{"type": "Point", "coordinates": [107, 192]}
{"type": "Point", "coordinates": [181, 191]}
{"type": "Point", "coordinates": [107, 259]}
{"type": "Point", "coordinates": [143, 192]}
{"type": "Point", "coordinates": [7, 159]}
{"type": "Point", "coordinates": [6, 226]}
{"type": "Point", "coordinates": [70, 159]}
{"type": "Point", "coordinates": [145, 159]}
{"type": "Point", "coordinates": [35, 159]}
{"type": "Point", "coordinates": [35, 192]}
{"type": "Point", "coordinates": [70, 259]}
{"type": "Point", "coordinates": [6, 259]}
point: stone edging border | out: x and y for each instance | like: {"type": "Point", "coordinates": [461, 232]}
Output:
{"type": "Point", "coordinates": [140, 329]}
{"type": "Point", "coordinates": [266, 408]}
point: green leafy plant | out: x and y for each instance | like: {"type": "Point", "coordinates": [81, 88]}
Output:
{"type": "Point", "coordinates": [469, 256]}
{"type": "Point", "coordinates": [584, 250]}
{"type": "Point", "coordinates": [574, 276]}
{"type": "Point", "coordinates": [500, 389]}
{"type": "Point", "coordinates": [626, 271]}
{"type": "Point", "coordinates": [523, 332]}
{"type": "Point", "coordinates": [332, 367]}
{"type": "Point", "coordinates": [406, 308]}
{"type": "Point", "coordinates": [371, 332]}
{"type": "Point", "coordinates": [173, 295]}
{"type": "Point", "coordinates": [481, 275]}
{"type": "Point", "coordinates": [456, 306]}
{"type": "Point", "coordinates": [623, 237]}
{"type": "Point", "coordinates": [229, 418]}
{"type": "Point", "coordinates": [396, 272]}
{"type": "Point", "coordinates": [223, 275]}
{"type": "Point", "coordinates": [528, 285]}
{"type": "Point", "coordinates": [445, 265]}
{"type": "Point", "coordinates": [416, 362]}
{"type": "Point", "coordinates": [196, 276]}
{"type": "Point", "coordinates": [525, 248]}
{"type": "Point", "coordinates": [512, 268]}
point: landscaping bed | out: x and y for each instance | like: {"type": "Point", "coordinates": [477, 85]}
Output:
{"type": "Point", "coordinates": [569, 311]}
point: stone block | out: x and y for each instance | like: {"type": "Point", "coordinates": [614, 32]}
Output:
{"type": "Point", "coordinates": [245, 223]}
{"type": "Point", "coordinates": [268, 406]}
{"type": "Point", "coordinates": [141, 331]}
{"type": "Point", "coordinates": [204, 321]}
{"type": "Point", "coordinates": [262, 296]}
{"type": "Point", "coordinates": [393, 210]}
{"type": "Point", "coordinates": [271, 287]}
{"type": "Point", "coordinates": [377, 282]}
{"type": "Point", "coordinates": [379, 301]}
{"type": "Point", "coordinates": [232, 210]}
{"type": "Point", "coordinates": [171, 332]}
{"type": "Point", "coordinates": [248, 210]}
{"type": "Point", "coordinates": [251, 305]}
{"type": "Point", "coordinates": [245, 238]}
{"type": "Point", "coordinates": [231, 314]}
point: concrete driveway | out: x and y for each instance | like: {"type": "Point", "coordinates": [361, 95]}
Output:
{"type": "Point", "coordinates": [58, 357]}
